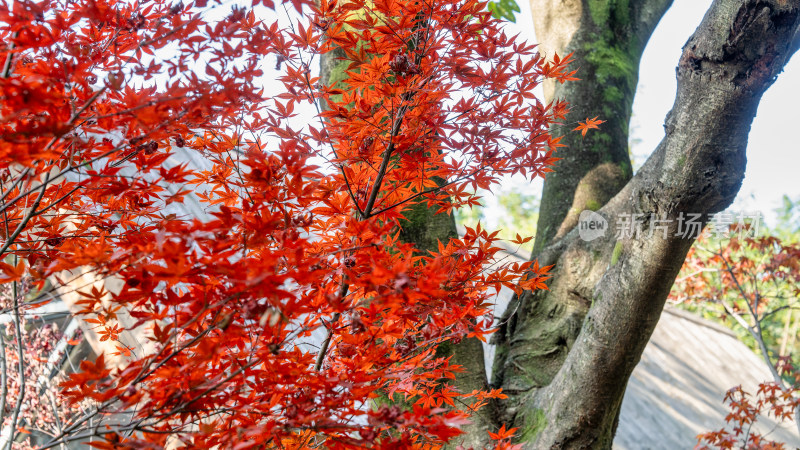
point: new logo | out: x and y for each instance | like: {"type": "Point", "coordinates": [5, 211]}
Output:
{"type": "Point", "coordinates": [591, 225]}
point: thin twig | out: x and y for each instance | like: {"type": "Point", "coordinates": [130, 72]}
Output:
{"type": "Point", "coordinates": [21, 370]}
{"type": "Point", "coordinates": [757, 333]}
{"type": "Point", "coordinates": [10, 57]}
{"type": "Point", "coordinates": [3, 378]}
{"type": "Point", "coordinates": [326, 343]}
{"type": "Point", "coordinates": [27, 219]}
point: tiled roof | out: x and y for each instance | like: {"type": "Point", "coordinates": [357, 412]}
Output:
{"type": "Point", "coordinates": [676, 391]}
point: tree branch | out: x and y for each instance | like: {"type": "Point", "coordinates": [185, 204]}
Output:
{"type": "Point", "coordinates": [645, 17]}
{"type": "Point", "coordinates": [20, 370]}
{"type": "Point", "coordinates": [697, 168]}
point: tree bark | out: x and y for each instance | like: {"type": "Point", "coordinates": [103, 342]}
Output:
{"type": "Point", "coordinates": [607, 39]}
{"type": "Point", "coordinates": [566, 354]}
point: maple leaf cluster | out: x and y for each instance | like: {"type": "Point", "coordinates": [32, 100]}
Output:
{"type": "Point", "coordinates": [770, 399]}
{"type": "Point", "coordinates": [748, 280]}
{"type": "Point", "coordinates": [301, 221]}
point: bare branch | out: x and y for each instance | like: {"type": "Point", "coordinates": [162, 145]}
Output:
{"type": "Point", "coordinates": [20, 369]}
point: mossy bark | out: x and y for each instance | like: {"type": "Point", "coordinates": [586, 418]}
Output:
{"type": "Point", "coordinates": [424, 228]}
{"type": "Point", "coordinates": [606, 39]}
{"type": "Point", "coordinates": [567, 353]}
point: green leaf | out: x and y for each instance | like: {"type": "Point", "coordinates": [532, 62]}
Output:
{"type": "Point", "coordinates": [504, 9]}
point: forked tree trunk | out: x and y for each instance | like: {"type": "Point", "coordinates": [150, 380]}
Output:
{"type": "Point", "coordinates": [567, 353]}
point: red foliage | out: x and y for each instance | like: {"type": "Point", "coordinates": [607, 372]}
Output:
{"type": "Point", "coordinates": [749, 279]}
{"type": "Point", "coordinates": [304, 217]}
{"type": "Point", "coordinates": [770, 399]}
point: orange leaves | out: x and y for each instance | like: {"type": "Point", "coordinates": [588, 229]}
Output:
{"type": "Point", "coordinates": [12, 273]}
{"type": "Point", "coordinates": [745, 410]}
{"type": "Point", "coordinates": [438, 398]}
{"type": "Point", "coordinates": [588, 125]}
{"type": "Point", "coordinates": [91, 300]}
{"type": "Point", "coordinates": [407, 91]}
{"type": "Point", "coordinates": [241, 230]}
{"type": "Point", "coordinates": [86, 382]}
{"type": "Point", "coordinates": [745, 276]}
{"type": "Point", "coordinates": [110, 333]}
{"type": "Point", "coordinates": [535, 276]}
{"type": "Point", "coordinates": [503, 436]}
{"type": "Point", "coordinates": [557, 69]}
{"type": "Point", "coordinates": [503, 433]}
{"type": "Point", "coordinates": [519, 240]}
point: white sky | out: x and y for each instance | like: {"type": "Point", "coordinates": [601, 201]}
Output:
{"type": "Point", "coordinates": [773, 150]}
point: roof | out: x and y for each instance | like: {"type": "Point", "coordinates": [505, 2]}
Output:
{"type": "Point", "coordinates": [677, 390]}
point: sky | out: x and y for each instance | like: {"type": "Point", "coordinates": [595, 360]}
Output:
{"type": "Point", "coordinates": [773, 150]}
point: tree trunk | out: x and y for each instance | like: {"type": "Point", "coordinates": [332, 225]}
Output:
{"type": "Point", "coordinates": [565, 355]}
{"type": "Point", "coordinates": [607, 39]}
